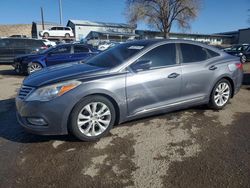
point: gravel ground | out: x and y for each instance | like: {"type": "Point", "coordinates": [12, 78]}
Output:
{"type": "Point", "coordinates": [197, 147]}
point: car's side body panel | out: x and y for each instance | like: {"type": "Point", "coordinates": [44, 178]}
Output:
{"type": "Point", "coordinates": [135, 94]}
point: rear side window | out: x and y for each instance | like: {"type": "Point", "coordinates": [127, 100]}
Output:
{"type": "Point", "coordinates": [161, 56]}
{"type": "Point", "coordinates": [4, 43]}
{"type": "Point", "coordinates": [17, 43]}
{"type": "Point", "coordinates": [80, 49]}
{"type": "Point", "coordinates": [62, 50]}
{"type": "Point", "coordinates": [193, 53]}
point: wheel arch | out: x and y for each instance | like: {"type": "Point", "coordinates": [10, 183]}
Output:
{"type": "Point", "coordinates": [109, 97]}
{"type": "Point", "coordinates": [228, 78]}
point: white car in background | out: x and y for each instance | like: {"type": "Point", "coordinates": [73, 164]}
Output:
{"type": "Point", "coordinates": [57, 32]}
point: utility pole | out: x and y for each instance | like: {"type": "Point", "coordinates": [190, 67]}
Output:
{"type": "Point", "coordinates": [42, 17]}
{"type": "Point", "coordinates": [60, 11]}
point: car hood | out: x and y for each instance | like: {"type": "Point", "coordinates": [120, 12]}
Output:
{"type": "Point", "coordinates": [61, 73]}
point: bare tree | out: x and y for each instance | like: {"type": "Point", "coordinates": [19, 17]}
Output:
{"type": "Point", "coordinates": [162, 14]}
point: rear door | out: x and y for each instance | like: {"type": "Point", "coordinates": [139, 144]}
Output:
{"type": "Point", "coordinates": [158, 87]}
{"type": "Point", "coordinates": [6, 51]}
{"type": "Point", "coordinates": [198, 70]}
{"type": "Point", "coordinates": [81, 52]}
{"type": "Point", "coordinates": [62, 54]}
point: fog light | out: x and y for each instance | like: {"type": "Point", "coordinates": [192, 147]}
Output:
{"type": "Point", "coordinates": [37, 121]}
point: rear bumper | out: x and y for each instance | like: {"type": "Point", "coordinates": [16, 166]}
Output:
{"type": "Point", "coordinates": [238, 82]}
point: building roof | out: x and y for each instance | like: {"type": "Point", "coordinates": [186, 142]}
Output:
{"type": "Point", "coordinates": [98, 33]}
{"type": "Point", "coordinates": [100, 24]}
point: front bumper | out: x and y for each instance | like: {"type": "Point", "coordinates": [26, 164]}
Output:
{"type": "Point", "coordinates": [20, 67]}
{"type": "Point", "coordinates": [54, 112]}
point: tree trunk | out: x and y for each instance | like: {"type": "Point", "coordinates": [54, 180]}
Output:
{"type": "Point", "coordinates": [166, 35]}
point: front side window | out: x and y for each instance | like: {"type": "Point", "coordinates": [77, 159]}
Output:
{"type": "Point", "coordinates": [61, 50]}
{"type": "Point", "coordinates": [53, 28]}
{"type": "Point", "coordinates": [193, 53]}
{"type": "Point", "coordinates": [161, 56]}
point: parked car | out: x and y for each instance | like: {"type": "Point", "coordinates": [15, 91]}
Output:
{"type": "Point", "coordinates": [12, 47]}
{"type": "Point", "coordinates": [57, 32]}
{"type": "Point", "coordinates": [49, 43]}
{"type": "Point", "coordinates": [19, 36]}
{"type": "Point", "coordinates": [106, 45]}
{"type": "Point", "coordinates": [129, 81]}
{"type": "Point", "coordinates": [240, 50]}
{"type": "Point", "coordinates": [62, 53]}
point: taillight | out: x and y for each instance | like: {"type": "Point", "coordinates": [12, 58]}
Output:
{"type": "Point", "coordinates": [239, 66]}
{"type": "Point", "coordinates": [44, 48]}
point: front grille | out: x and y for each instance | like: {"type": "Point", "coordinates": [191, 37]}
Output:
{"type": "Point", "coordinates": [24, 92]}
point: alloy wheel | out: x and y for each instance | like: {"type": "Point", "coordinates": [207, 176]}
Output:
{"type": "Point", "coordinates": [222, 94]}
{"type": "Point", "coordinates": [94, 119]}
{"type": "Point", "coordinates": [34, 67]}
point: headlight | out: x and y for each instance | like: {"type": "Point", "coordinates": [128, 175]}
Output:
{"type": "Point", "coordinates": [52, 91]}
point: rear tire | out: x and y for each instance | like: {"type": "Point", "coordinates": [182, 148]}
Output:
{"type": "Point", "coordinates": [46, 35]}
{"type": "Point", "coordinates": [67, 35]}
{"type": "Point", "coordinates": [221, 94]}
{"type": "Point", "coordinates": [92, 118]}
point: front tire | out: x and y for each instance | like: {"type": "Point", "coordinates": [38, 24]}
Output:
{"type": "Point", "coordinates": [33, 67]}
{"type": "Point", "coordinates": [221, 94]}
{"type": "Point", "coordinates": [92, 118]}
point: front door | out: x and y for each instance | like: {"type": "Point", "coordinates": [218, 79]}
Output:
{"type": "Point", "coordinates": [157, 87]}
{"type": "Point", "coordinates": [61, 54]}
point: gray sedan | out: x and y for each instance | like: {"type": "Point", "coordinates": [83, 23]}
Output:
{"type": "Point", "coordinates": [132, 80]}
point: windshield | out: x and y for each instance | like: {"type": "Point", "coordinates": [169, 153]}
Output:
{"type": "Point", "coordinates": [239, 47]}
{"type": "Point", "coordinates": [116, 56]}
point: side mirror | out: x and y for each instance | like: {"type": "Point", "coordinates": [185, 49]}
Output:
{"type": "Point", "coordinates": [141, 65]}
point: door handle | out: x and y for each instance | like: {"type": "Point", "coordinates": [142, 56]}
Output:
{"type": "Point", "coordinates": [173, 75]}
{"type": "Point", "coordinates": [212, 67]}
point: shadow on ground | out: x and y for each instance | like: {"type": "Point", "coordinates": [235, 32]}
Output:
{"type": "Point", "coordinates": [12, 131]}
{"type": "Point", "coordinates": [10, 72]}
{"type": "Point", "coordinates": [246, 79]}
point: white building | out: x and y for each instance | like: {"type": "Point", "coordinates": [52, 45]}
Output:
{"type": "Point", "coordinates": [82, 28]}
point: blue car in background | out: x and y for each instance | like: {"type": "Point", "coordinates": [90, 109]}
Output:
{"type": "Point", "coordinates": [62, 53]}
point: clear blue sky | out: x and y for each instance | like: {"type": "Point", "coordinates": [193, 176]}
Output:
{"type": "Point", "coordinates": [215, 15]}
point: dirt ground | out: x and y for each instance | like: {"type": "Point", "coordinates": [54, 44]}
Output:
{"type": "Point", "coordinates": [196, 147]}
